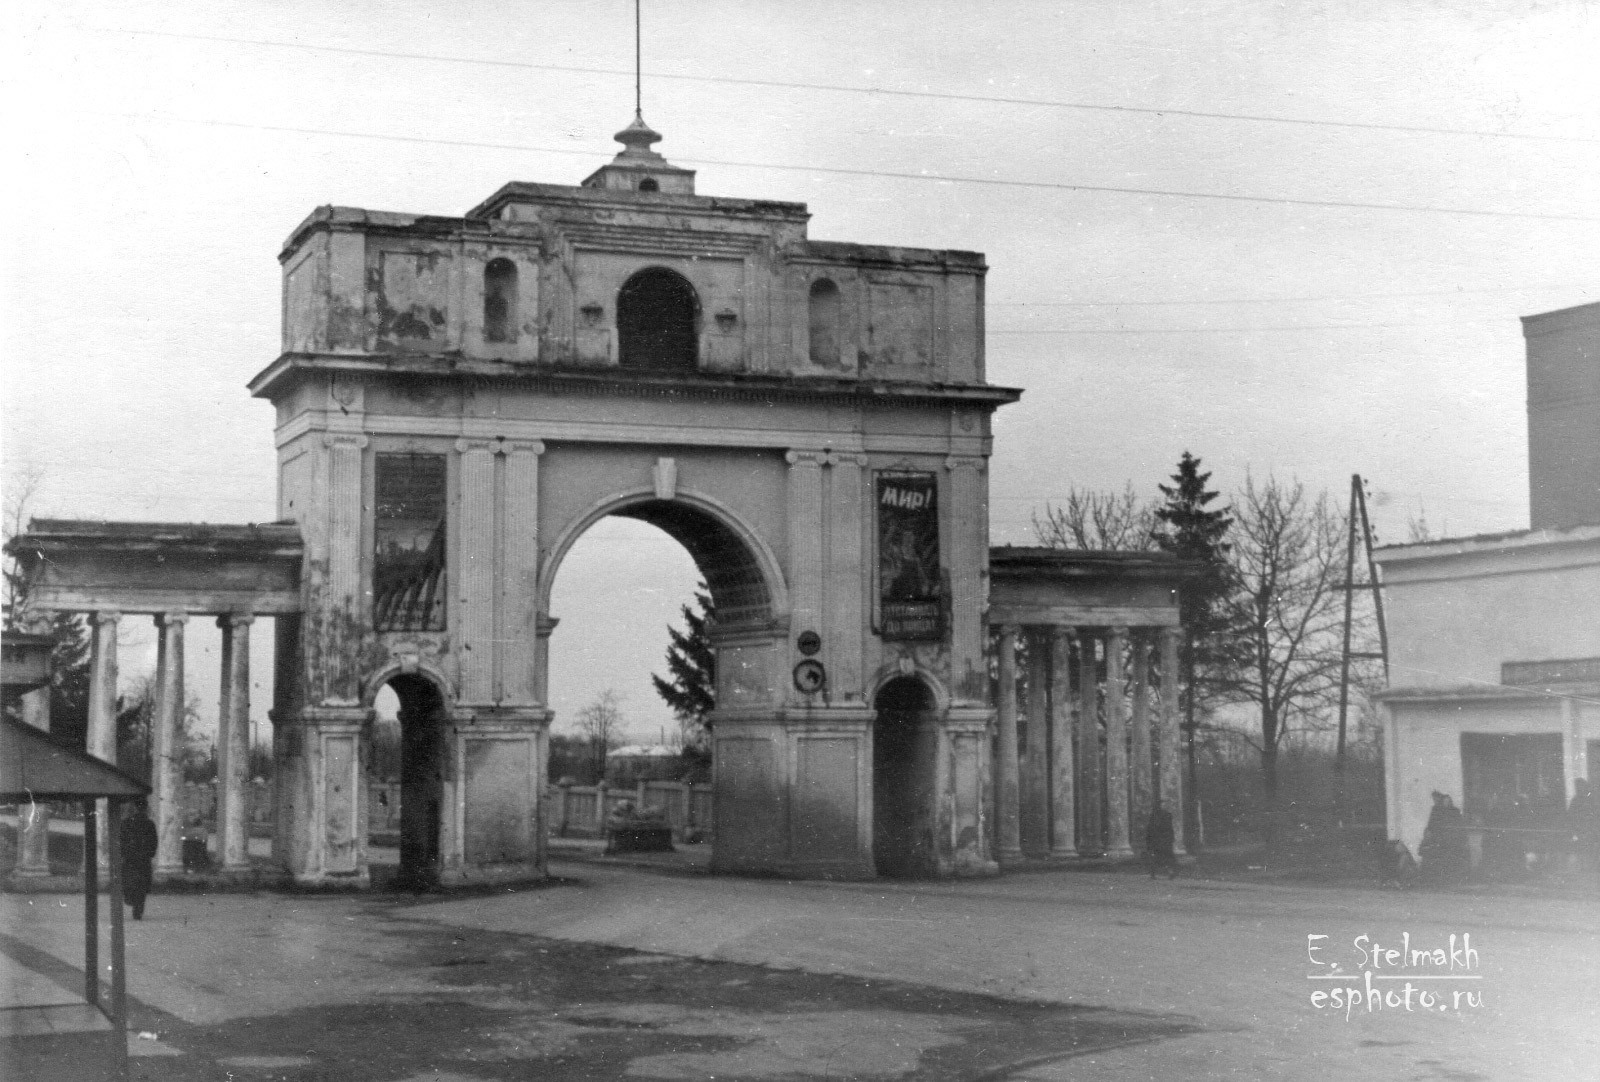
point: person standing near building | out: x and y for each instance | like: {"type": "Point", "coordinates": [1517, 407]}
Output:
{"type": "Point", "coordinates": [139, 842]}
{"type": "Point", "coordinates": [1159, 837]}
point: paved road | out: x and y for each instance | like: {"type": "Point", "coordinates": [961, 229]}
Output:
{"type": "Point", "coordinates": [1232, 956]}
{"type": "Point", "coordinates": [1193, 979]}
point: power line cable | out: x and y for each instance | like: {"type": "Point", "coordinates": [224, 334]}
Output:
{"type": "Point", "coordinates": [1285, 300]}
{"type": "Point", "coordinates": [881, 91]}
{"type": "Point", "coordinates": [1171, 193]}
{"type": "Point", "coordinates": [1242, 330]}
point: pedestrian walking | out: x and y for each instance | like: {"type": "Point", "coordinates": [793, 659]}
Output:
{"type": "Point", "coordinates": [1158, 841]}
{"type": "Point", "coordinates": [139, 843]}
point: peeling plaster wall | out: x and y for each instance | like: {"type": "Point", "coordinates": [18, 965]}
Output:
{"type": "Point", "coordinates": [366, 281]}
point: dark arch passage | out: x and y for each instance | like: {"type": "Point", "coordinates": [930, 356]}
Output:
{"type": "Point", "coordinates": [423, 720]}
{"type": "Point", "coordinates": [658, 319]}
{"type": "Point", "coordinates": [902, 779]}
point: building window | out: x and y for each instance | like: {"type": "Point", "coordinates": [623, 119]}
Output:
{"type": "Point", "coordinates": [500, 301]}
{"type": "Point", "coordinates": [658, 321]}
{"type": "Point", "coordinates": [408, 566]}
{"type": "Point", "coordinates": [648, 184]}
{"type": "Point", "coordinates": [825, 309]}
{"type": "Point", "coordinates": [1505, 775]}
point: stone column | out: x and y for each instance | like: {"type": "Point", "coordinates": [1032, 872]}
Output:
{"type": "Point", "coordinates": [33, 818]}
{"type": "Point", "coordinates": [967, 515]}
{"type": "Point", "coordinates": [1116, 747]}
{"type": "Point", "coordinates": [1063, 787]}
{"type": "Point", "coordinates": [33, 857]}
{"type": "Point", "coordinates": [846, 581]}
{"type": "Point", "coordinates": [1035, 782]}
{"type": "Point", "coordinates": [1171, 768]}
{"type": "Point", "coordinates": [344, 608]}
{"type": "Point", "coordinates": [166, 756]}
{"type": "Point", "coordinates": [233, 744]}
{"type": "Point", "coordinates": [519, 601]}
{"type": "Point", "coordinates": [474, 566]}
{"type": "Point", "coordinates": [1006, 754]}
{"type": "Point", "coordinates": [1090, 835]}
{"type": "Point", "coordinates": [805, 542]}
{"type": "Point", "coordinates": [1142, 765]}
{"type": "Point", "coordinates": [103, 709]}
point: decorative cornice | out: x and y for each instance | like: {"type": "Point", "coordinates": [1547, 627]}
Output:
{"type": "Point", "coordinates": [616, 383]}
{"type": "Point", "coordinates": [806, 458]}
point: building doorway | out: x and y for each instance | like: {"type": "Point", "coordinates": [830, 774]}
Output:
{"type": "Point", "coordinates": [423, 721]}
{"type": "Point", "coordinates": [902, 779]}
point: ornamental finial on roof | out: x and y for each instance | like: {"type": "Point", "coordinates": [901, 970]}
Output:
{"type": "Point", "coordinates": [636, 139]}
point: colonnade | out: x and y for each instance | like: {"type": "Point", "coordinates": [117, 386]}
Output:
{"type": "Point", "coordinates": [1088, 739]}
{"type": "Point", "coordinates": [166, 751]}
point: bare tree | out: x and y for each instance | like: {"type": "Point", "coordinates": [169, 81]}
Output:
{"type": "Point", "coordinates": [21, 490]}
{"type": "Point", "coordinates": [601, 723]}
{"type": "Point", "coordinates": [1098, 521]}
{"type": "Point", "coordinates": [1285, 615]}
{"type": "Point", "coordinates": [1418, 528]}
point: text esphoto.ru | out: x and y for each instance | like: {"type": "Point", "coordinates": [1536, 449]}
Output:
{"type": "Point", "coordinates": [1420, 978]}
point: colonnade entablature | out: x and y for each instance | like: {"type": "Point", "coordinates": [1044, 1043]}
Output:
{"type": "Point", "coordinates": [1087, 699]}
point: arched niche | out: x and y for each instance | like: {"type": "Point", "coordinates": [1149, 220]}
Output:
{"type": "Point", "coordinates": [826, 309]}
{"type": "Point", "coordinates": [500, 301]}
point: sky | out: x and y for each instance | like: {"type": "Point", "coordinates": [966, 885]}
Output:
{"type": "Point", "coordinates": [1161, 189]}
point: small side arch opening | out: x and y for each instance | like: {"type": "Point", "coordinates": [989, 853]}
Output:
{"type": "Point", "coordinates": [826, 308]}
{"type": "Point", "coordinates": [407, 764]}
{"type": "Point", "coordinates": [500, 301]}
{"type": "Point", "coordinates": [658, 322]}
{"type": "Point", "coordinates": [903, 755]}
{"type": "Point", "coordinates": [648, 184]}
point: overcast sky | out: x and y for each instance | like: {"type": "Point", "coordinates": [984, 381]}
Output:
{"type": "Point", "coordinates": [163, 151]}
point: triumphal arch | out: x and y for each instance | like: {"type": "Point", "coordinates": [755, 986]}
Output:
{"type": "Point", "coordinates": [459, 399]}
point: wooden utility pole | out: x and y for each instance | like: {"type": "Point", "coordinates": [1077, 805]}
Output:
{"type": "Point", "coordinates": [1358, 513]}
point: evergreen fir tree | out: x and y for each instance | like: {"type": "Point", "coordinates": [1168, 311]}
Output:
{"type": "Point", "coordinates": [691, 686]}
{"type": "Point", "coordinates": [1192, 532]}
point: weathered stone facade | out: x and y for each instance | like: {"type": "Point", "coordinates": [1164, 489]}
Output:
{"type": "Point", "coordinates": [628, 347]}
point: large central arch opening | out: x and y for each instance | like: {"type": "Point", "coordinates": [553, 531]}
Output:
{"type": "Point", "coordinates": [617, 584]}
{"type": "Point", "coordinates": [902, 779]}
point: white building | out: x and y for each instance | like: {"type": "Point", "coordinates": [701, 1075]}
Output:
{"type": "Point", "coordinates": [1494, 640]}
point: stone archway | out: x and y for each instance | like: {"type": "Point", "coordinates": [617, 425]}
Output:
{"type": "Point", "coordinates": [494, 384]}
{"type": "Point", "coordinates": [904, 740]}
{"type": "Point", "coordinates": [424, 741]}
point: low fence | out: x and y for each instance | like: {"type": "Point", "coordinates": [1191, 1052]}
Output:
{"type": "Point", "coordinates": [580, 811]}
{"type": "Point", "coordinates": [199, 803]}
{"type": "Point", "coordinates": [571, 810]}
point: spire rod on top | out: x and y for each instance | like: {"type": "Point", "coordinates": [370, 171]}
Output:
{"type": "Point", "coordinates": [639, 168]}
